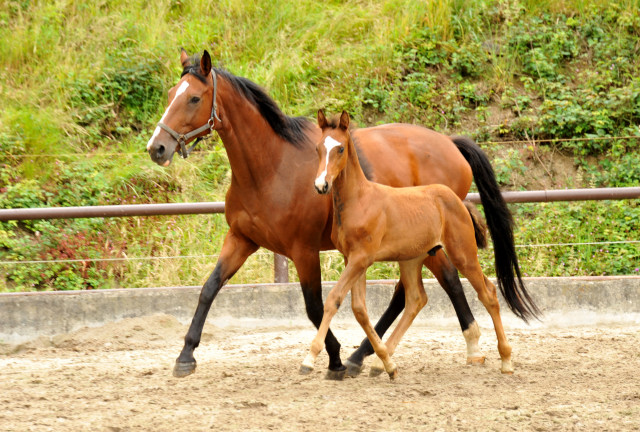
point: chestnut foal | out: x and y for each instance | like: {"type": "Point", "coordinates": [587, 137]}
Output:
{"type": "Point", "coordinates": [373, 222]}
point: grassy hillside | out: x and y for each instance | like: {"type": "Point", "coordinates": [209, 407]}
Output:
{"type": "Point", "coordinates": [83, 84]}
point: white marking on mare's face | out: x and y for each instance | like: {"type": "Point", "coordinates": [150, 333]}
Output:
{"type": "Point", "coordinates": [329, 144]}
{"type": "Point", "coordinates": [183, 88]}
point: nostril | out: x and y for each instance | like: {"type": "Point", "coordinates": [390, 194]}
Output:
{"type": "Point", "coordinates": [322, 188]}
{"type": "Point", "coordinates": [160, 150]}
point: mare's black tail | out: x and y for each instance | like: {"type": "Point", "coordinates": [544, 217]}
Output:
{"type": "Point", "coordinates": [500, 225]}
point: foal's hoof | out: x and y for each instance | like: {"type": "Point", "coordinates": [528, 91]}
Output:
{"type": "Point", "coordinates": [353, 369]}
{"type": "Point", "coordinates": [375, 371]}
{"type": "Point", "coordinates": [335, 375]}
{"type": "Point", "coordinates": [183, 369]}
{"type": "Point", "coordinates": [393, 374]}
{"type": "Point", "coordinates": [475, 361]}
{"type": "Point", "coordinates": [305, 370]}
{"type": "Point", "coordinates": [507, 367]}
{"type": "Point", "coordinates": [377, 367]}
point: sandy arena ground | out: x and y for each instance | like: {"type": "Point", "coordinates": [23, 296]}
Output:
{"type": "Point", "coordinates": [118, 378]}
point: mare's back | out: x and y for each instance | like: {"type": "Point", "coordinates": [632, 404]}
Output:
{"type": "Point", "coordinates": [402, 155]}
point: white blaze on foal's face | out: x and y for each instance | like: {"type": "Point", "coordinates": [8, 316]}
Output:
{"type": "Point", "coordinates": [183, 88]}
{"type": "Point", "coordinates": [329, 144]}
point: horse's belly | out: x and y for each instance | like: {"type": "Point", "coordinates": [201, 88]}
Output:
{"type": "Point", "coordinates": [406, 250]}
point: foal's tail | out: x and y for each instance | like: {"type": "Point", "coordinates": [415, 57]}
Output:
{"type": "Point", "coordinates": [479, 225]}
{"type": "Point", "coordinates": [500, 225]}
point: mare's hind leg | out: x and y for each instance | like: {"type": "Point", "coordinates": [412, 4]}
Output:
{"type": "Point", "coordinates": [469, 266]}
{"type": "Point", "coordinates": [308, 267]}
{"type": "Point", "coordinates": [447, 275]}
{"type": "Point", "coordinates": [235, 251]}
{"type": "Point", "coordinates": [415, 300]}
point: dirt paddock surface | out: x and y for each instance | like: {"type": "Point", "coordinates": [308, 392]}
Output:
{"type": "Point", "coordinates": [118, 378]}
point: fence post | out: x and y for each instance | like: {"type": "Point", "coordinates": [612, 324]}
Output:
{"type": "Point", "coordinates": [280, 268]}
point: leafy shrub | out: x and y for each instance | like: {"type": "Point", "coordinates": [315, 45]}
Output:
{"type": "Point", "coordinates": [120, 98]}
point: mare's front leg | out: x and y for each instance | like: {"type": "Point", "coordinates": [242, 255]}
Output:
{"type": "Point", "coordinates": [308, 267]}
{"type": "Point", "coordinates": [335, 298]}
{"type": "Point", "coordinates": [235, 251]}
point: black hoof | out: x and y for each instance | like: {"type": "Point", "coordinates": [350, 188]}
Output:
{"type": "Point", "coordinates": [305, 370]}
{"type": "Point", "coordinates": [183, 369]}
{"type": "Point", "coordinates": [337, 375]}
{"type": "Point", "coordinates": [353, 369]}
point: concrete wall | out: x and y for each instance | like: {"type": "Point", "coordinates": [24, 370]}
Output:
{"type": "Point", "coordinates": [565, 301]}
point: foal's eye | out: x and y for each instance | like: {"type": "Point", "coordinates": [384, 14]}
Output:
{"type": "Point", "coordinates": [340, 150]}
{"type": "Point", "coordinates": [194, 100]}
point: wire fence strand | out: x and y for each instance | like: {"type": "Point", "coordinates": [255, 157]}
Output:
{"type": "Point", "coordinates": [144, 153]}
{"type": "Point", "coordinates": [176, 257]}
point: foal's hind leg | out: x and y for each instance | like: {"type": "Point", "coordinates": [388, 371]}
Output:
{"type": "Point", "coordinates": [415, 300]}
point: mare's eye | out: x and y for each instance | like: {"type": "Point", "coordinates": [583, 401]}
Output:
{"type": "Point", "coordinates": [340, 150]}
{"type": "Point", "coordinates": [194, 100]}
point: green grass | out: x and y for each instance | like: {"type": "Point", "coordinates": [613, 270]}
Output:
{"type": "Point", "coordinates": [83, 84]}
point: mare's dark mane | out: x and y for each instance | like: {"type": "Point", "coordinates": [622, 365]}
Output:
{"type": "Point", "coordinates": [333, 123]}
{"type": "Point", "coordinates": [291, 129]}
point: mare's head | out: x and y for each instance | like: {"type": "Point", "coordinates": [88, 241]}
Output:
{"type": "Point", "coordinates": [333, 150]}
{"type": "Point", "coordinates": [189, 114]}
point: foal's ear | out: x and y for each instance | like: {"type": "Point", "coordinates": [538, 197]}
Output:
{"type": "Point", "coordinates": [322, 120]}
{"type": "Point", "coordinates": [205, 63]}
{"type": "Point", "coordinates": [184, 58]}
{"type": "Point", "coordinates": [344, 121]}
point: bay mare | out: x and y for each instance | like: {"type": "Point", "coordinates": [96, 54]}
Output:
{"type": "Point", "coordinates": [271, 202]}
{"type": "Point", "coordinates": [374, 222]}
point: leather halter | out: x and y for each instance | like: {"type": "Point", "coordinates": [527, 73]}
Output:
{"type": "Point", "coordinates": [183, 138]}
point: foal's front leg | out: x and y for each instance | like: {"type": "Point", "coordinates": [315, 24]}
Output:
{"type": "Point", "coordinates": [359, 306]}
{"type": "Point", "coordinates": [335, 298]}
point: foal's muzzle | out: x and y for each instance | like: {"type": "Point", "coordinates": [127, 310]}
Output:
{"type": "Point", "coordinates": [322, 187]}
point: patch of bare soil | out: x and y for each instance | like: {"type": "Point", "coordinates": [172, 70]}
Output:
{"type": "Point", "coordinates": [118, 378]}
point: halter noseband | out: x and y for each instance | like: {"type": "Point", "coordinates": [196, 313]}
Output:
{"type": "Point", "coordinates": [183, 138]}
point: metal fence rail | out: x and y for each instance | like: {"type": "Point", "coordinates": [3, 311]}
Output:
{"type": "Point", "coordinates": [565, 195]}
{"type": "Point", "coordinates": [280, 262]}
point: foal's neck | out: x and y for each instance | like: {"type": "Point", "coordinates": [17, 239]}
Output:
{"type": "Point", "coordinates": [351, 181]}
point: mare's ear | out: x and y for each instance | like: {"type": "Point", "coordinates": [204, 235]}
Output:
{"type": "Point", "coordinates": [322, 120]}
{"type": "Point", "coordinates": [205, 63]}
{"type": "Point", "coordinates": [184, 58]}
{"type": "Point", "coordinates": [344, 121]}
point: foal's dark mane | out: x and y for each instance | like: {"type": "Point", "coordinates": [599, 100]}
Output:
{"type": "Point", "coordinates": [291, 129]}
{"type": "Point", "coordinates": [333, 123]}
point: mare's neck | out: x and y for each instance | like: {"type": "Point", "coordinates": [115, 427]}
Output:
{"type": "Point", "coordinates": [254, 150]}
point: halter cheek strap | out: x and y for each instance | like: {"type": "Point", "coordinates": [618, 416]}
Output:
{"type": "Point", "coordinates": [208, 127]}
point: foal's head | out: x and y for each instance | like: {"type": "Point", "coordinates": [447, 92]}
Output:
{"type": "Point", "coordinates": [333, 150]}
{"type": "Point", "coordinates": [189, 108]}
